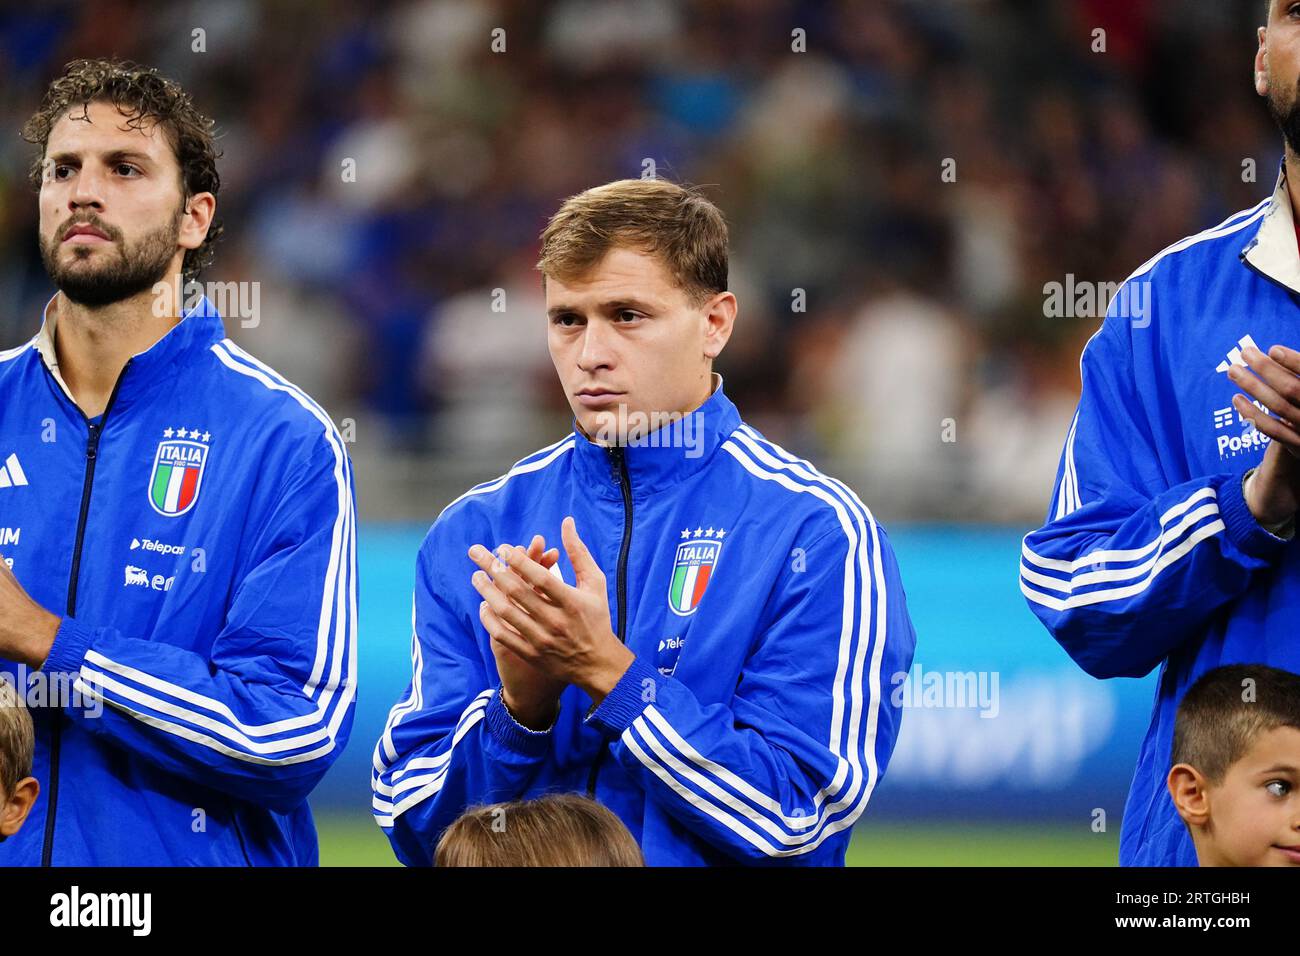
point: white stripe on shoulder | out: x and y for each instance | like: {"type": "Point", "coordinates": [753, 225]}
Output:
{"type": "Point", "coordinates": [304, 399]}
{"type": "Point", "coordinates": [1068, 498]}
{"type": "Point", "coordinates": [13, 353]}
{"type": "Point", "coordinates": [668, 755]}
{"type": "Point", "coordinates": [338, 603]}
{"type": "Point", "coordinates": [1234, 223]}
{"type": "Point", "coordinates": [385, 753]}
{"type": "Point", "coordinates": [534, 462]}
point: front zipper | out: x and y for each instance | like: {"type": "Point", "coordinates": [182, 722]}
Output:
{"type": "Point", "coordinates": [618, 469]}
{"type": "Point", "coordinates": [92, 456]}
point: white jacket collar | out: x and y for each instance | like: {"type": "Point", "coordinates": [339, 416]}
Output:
{"type": "Point", "coordinates": [45, 342]}
{"type": "Point", "coordinates": [1272, 251]}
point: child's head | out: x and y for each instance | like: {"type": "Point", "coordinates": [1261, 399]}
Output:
{"type": "Point", "coordinates": [18, 788]}
{"type": "Point", "coordinates": [1235, 778]}
{"type": "Point", "coordinates": [563, 829]}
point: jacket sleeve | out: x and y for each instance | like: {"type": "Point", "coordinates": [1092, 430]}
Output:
{"type": "Point", "coordinates": [791, 760]}
{"type": "Point", "coordinates": [1128, 566]}
{"type": "Point", "coordinates": [449, 743]}
{"type": "Point", "coordinates": [265, 712]}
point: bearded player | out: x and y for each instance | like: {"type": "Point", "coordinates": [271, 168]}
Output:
{"type": "Point", "coordinates": [178, 587]}
{"type": "Point", "coordinates": [1170, 539]}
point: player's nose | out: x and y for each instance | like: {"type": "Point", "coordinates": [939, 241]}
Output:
{"type": "Point", "coordinates": [85, 198]}
{"type": "Point", "coordinates": [87, 189]}
{"type": "Point", "coordinates": [597, 351]}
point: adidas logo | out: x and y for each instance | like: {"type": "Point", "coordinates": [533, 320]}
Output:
{"type": "Point", "coordinates": [11, 474]}
{"type": "Point", "coordinates": [1234, 357]}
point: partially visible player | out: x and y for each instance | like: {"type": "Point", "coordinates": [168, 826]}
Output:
{"type": "Point", "coordinates": [18, 788]}
{"type": "Point", "coordinates": [1169, 541]}
{"type": "Point", "coordinates": [185, 577]}
{"type": "Point", "coordinates": [1236, 773]}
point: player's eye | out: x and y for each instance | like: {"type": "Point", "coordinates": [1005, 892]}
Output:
{"type": "Point", "coordinates": [628, 315]}
{"type": "Point", "coordinates": [1278, 788]}
{"type": "Point", "coordinates": [566, 320]}
{"type": "Point", "coordinates": [60, 171]}
{"type": "Point", "coordinates": [127, 170]}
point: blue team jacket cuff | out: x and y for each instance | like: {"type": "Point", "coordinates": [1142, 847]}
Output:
{"type": "Point", "coordinates": [69, 648]}
{"type": "Point", "coordinates": [1241, 527]}
{"type": "Point", "coordinates": [511, 733]}
{"type": "Point", "coordinates": [626, 701]}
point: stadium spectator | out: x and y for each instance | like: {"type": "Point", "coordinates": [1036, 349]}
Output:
{"type": "Point", "coordinates": [393, 138]}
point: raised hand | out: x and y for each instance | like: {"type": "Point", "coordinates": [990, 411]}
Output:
{"type": "Point", "coordinates": [1273, 492]}
{"type": "Point", "coordinates": [530, 694]}
{"type": "Point", "coordinates": [562, 630]}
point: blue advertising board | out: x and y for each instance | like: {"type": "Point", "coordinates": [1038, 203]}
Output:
{"type": "Point", "coordinates": [999, 723]}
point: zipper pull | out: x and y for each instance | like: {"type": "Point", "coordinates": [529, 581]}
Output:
{"type": "Point", "coordinates": [92, 445]}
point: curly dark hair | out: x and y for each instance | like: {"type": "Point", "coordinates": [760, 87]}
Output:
{"type": "Point", "coordinates": [143, 95]}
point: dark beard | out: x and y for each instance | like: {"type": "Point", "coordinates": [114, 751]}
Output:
{"type": "Point", "coordinates": [1288, 120]}
{"type": "Point", "coordinates": [137, 267]}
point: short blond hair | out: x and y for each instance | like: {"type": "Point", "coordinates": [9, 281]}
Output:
{"type": "Point", "coordinates": [559, 829]}
{"type": "Point", "coordinates": [17, 738]}
{"type": "Point", "coordinates": [677, 224]}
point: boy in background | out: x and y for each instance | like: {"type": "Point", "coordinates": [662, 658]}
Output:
{"type": "Point", "coordinates": [560, 829]}
{"type": "Point", "coordinates": [18, 788]}
{"type": "Point", "coordinates": [1235, 780]}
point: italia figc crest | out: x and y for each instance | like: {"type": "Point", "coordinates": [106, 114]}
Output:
{"type": "Point", "coordinates": [178, 469]}
{"type": "Point", "coordinates": [693, 567]}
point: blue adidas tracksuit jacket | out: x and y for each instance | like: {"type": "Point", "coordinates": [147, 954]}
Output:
{"type": "Point", "coordinates": [1149, 556]}
{"type": "Point", "coordinates": [198, 537]}
{"type": "Point", "coordinates": [754, 723]}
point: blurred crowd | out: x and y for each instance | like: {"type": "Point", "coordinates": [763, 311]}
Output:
{"type": "Point", "coordinates": [901, 180]}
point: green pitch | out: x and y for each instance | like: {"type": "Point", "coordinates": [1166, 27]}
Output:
{"type": "Point", "coordinates": [346, 841]}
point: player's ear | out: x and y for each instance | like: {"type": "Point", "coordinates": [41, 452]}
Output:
{"type": "Point", "coordinates": [199, 210]}
{"type": "Point", "coordinates": [1187, 788]}
{"type": "Point", "coordinates": [14, 810]}
{"type": "Point", "coordinates": [720, 318]}
{"type": "Point", "coordinates": [1261, 63]}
